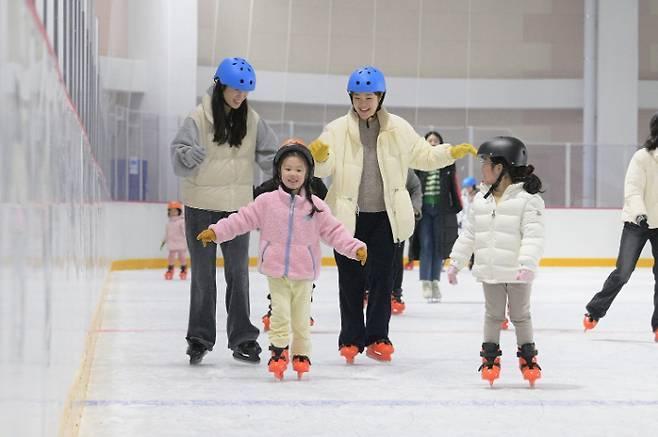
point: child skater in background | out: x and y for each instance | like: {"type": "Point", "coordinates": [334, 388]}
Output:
{"type": "Point", "coordinates": [318, 188]}
{"type": "Point", "coordinates": [505, 230]}
{"type": "Point", "coordinates": [175, 241]}
{"type": "Point", "coordinates": [292, 221]}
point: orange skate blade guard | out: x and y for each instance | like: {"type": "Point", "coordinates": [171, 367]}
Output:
{"type": "Point", "coordinates": [349, 352]}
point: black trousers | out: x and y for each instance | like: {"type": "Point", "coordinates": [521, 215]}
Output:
{"type": "Point", "coordinates": [633, 239]}
{"type": "Point", "coordinates": [203, 288]}
{"type": "Point", "coordinates": [373, 229]}
{"type": "Point", "coordinates": [398, 269]}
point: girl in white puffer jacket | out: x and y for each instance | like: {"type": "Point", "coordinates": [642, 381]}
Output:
{"type": "Point", "coordinates": [505, 230]}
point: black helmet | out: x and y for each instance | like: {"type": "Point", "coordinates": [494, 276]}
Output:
{"type": "Point", "coordinates": [289, 146]}
{"type": "Point", "coordinates": [510, 148]}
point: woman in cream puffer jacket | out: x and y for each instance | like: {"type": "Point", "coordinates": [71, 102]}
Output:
{"type": "Point", "coordinates": [640, 216]}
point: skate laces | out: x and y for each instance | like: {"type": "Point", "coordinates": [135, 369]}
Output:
{"type": "Point", "coordinates": [528, 354]}
{"type": "Point", "coordinates": [302, 358]}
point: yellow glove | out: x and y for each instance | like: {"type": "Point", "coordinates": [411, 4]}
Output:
{"type": "Point", "coordinates": [319, 150]}
{"type": "Point", "coordinates": [461, 150]}
{"type": "Point", "coordinates": [362, 255]}
{"type": "Point", "coordinates": [206, 236]}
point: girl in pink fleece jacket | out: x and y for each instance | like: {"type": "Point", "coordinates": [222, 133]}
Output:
{"type": "Point", "coordinates": [175, 240]}
{"type": "Point", "coordinates": [292, 222]}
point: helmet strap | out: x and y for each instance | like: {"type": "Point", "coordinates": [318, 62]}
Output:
{"type": "Point", "coordinates": [495, 184]}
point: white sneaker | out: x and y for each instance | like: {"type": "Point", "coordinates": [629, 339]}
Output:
{"type": "Point", "coordinates": [427, 289]}
{"type": "Point", "coordinates": [436, 292]}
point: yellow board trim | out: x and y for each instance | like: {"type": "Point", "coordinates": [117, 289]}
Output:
{"type": "Point", "coordinates": [69, 425]}
{"type": "Point", "coordinates": [157, 263]}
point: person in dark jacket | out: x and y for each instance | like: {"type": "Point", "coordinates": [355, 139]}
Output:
{"type": "Point", "coordinates": [437, 229]}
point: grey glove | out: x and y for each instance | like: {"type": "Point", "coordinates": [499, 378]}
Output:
{"type": "Point", "coordinates": [193, 156]}
{"type": "Point", "coordinates": [641, 221]}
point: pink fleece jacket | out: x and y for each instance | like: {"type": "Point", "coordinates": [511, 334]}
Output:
{"type": "Point", "coordinates": [289, 238]}
{"type": "Point", "coordinates": [175, 233]}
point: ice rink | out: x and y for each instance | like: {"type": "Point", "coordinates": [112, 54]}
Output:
{"type": "Point", "coordinates": [600, 383]}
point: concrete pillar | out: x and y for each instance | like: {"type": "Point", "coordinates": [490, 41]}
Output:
{"type": "Point", "coordinates": [617, 90]}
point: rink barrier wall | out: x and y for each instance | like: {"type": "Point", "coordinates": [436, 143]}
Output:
{"type": "Point", "coordinates": [576, 237]}
{"type": "Point", "coordinates": [161, 263]}
{"type": "Point", "coordinates": [75, 401]}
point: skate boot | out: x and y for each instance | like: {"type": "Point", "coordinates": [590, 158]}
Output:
{"type": "Point", "coordinates": [427, 290]}
{"type": "Point", "coordinates": [409, 265]}
{"type": "Point", "coordinates": [397, 304]}
{"type": "Point", "coordinates": [380, 350]}
{"type": "Point", "coordinates": [490, 366]}
{"type": "Point", "coordinates": [349, 351]}
{"type": "Point", "coordinates": [505, 324]}
{"type": "Point", "coordinates": [196, 352]}
{"type": "Point", "coordinates": [528, 363]}
{"type": "Point", "coordinates": [278, 363]}
{"type": "Point", "coordinates": [589, 322]}
{"type": "Point", "coordinates": [301, 364]}
{"type": "Point", "coordinates": [266, 320]}
{"type": "Point", "coordinates": [436, 292]}
{"type": "Point", "coordinates": [183, 273]}
{"type": "Point", "coordinates": [248, 352]}
{"type": "Point", "coordinates": [169, 274]}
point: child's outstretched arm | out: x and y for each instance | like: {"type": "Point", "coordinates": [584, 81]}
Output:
{"type": "Point", "coordinates": [246, 219]}
{"type": "Point", "coordinates": [334, 233]}
{"type": "Point", "coordinates": [532, 238]}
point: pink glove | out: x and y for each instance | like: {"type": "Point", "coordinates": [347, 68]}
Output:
{"type": "Point", "coordinates": [525, 275]}
{"type": "Point", "coordinates": [452, 275]}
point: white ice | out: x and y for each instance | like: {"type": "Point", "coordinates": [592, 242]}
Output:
{"type": "Point", "coordinates": [603, 382]}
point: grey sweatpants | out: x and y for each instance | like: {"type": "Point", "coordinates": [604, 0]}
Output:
{"type": "Point", "coordinates": [496, 298]}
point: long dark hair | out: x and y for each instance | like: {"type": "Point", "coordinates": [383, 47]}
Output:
{"type": "Point", "coordinates": [525, 173]}
{"type": "Point", "coordinates": [436, 134]}
{"type": "Point", "coordinates": [652, 141]}
{"type": "Point", "coordinates": [229, 126]}
{"type": "Point", "coordinates": [308, 192]}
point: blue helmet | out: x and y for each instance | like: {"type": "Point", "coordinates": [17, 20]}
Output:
{"type": "Point", "coordinates": [366, 79]}
{"type": "Point", "coordinates": [469, 182]}
{"type": "Point", "coordinates": [236, 73]}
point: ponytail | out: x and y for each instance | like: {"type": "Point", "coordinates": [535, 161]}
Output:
{"type": "Point", "coordinates": [531, 182]}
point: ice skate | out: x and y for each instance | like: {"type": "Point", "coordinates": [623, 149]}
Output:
{"type": "Point", "coordinates": [490, 366]}
{"type": "Point", "coordinates": [196, 353]}
{"type": "Point", "coordinates": [266, 321]}
{"type": "Point", "coordinates": [183, 273]}
{"type": "Point", "coordinates": [409, 265]}
{"type": "Point", "coordinates": [436, 292]}
{"type": "Point", "coordinates": [380, 350]}
{"type": "Point", "coordinates": [169, 274]}
{"type": "Point", "coordinates": [427, 290]}
{"type": "Point", "coordinates": [528, 363]}
{"type": "Point", "coordinates": [349, 352]}
{"type": "Point", "coordinates": [278, 363]}
{"type": "Point", "coordinates": [301, 364]}
{"type": "Point", "coordinates": [589, 322]}
{"type": "Point", "coordinates": [505, 324]}
{"type": "Point", "coordinates": [397, 305]}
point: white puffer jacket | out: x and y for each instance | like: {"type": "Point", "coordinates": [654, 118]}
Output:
{"type": "Point", "coordinates": [505, 237]}
{"type": "Point", "coordinates": [641, 188]}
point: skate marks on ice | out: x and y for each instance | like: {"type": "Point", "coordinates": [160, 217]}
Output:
{"type": "Point", "coordinates": [381, 403]}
